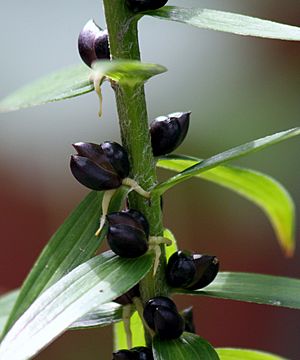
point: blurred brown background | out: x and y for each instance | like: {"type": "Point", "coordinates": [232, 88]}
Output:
{"type": "Point", "coordinates": [237, 88]}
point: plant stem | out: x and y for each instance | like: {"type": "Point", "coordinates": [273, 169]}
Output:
{"type": "Point", "coordinates": [133, 119]}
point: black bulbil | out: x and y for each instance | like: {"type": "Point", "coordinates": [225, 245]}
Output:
{"type": "Point", "coordinates": [136, 353]}
{"type": "Point", "coordinates": [128, 233]}
{"type": "Point", "coordinates": [168, 132]}
{"type": "Point", "coordinates": [100, 167]}
{"type": "Point", "coordinates": [180, 269]}
{"type": "Point", "coordinates": [143, 353]}
{"type": "Point", "coordinates": [123, 355]}
{"type": "Point", "coordinates": [162, 316]}
{"type": "Point", "coordinates": [207, 268]}
{"type": "Point", "coordinates": [191, 271]}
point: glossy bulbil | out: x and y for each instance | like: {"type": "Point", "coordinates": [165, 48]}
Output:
{"type": "Point", "coordinates": [136, 353]}
{"type": "Point", "coordinates": [191, 271]}
{"type": "Point", "coordinates": [162, 316]}
{"type": "Point", "coordinates": [93, 43]}
{"type": "Point", "coordinates": [128, 233]}
{"type": "Point", "coordinates": [168, 132]}
{"type": "Point", "coordinates": [100, 167]}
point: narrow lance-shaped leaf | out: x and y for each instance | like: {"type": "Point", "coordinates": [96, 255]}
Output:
{"type": "Point", "coordinates": [257, 187]}
{"type": "Point", "coordinates": [78, 80]}
{"type": "Point", "coordinates": [85, 288]}
{"type": "Point", "coordinates": [228, 22]}
{"type": "Point", "coordinates": [63, 84]}
{"type": "Point", "coordinates": [126, 72]}
{"type": "Point", "coordinates": [256, 288]}
{"type": "Point", "coordinates": [72, 244]}
{"type": "Point", "coordinates": [106, 314]}
{"type": "Point", "coordinates": [7, 302]}
{"type": "Point", "coordinates": [226, 156]}
{"type": "Point", "coordinates": [188, 346]}
{"type": "Point", "coordinates": [245, 354]}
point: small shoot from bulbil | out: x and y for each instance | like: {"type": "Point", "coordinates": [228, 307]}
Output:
{"type": "Point", "coordinates": [93, 45]}
{"type": "Point", "coordinates": [127, 300]}
{"type": "Point", "coordinates": [154, 244]}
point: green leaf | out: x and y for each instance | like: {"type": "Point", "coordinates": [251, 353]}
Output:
{"type": "Point", "coordinates": [137, 330]}
{"type": "Point", "coordinates": [106, 314]}
{"type": "Point", "coordinates": [257, 187]}
{"type": "Point", "coordinates": [127, 72]}
{"type": "Point", "coordinates": [244, 354]}
{"type": "Point", "coordinates": [188, 346]}
{"type": "Point", "coordinates": [61, 85]}
{"type": "Point", "coordinates": [256, 288]}
{"type": "Point", "coordinates": [172, 248]}
{"type": "Point", "coordinates": [228, 22]}
{"type": "Point", "coordinates": [72, 244]}
{"type": "Point", "coordinates": [226, 156]}
{"type": "Point", "coordinates": [91, 284]}
{"type": "Point", "coordinates": [7, 302]}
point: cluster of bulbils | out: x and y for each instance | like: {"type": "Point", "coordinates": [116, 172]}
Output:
{"type": "Point", "coordinates": [160, 313]}
{"type": "Point", "coordinates": [161, 316]}
{"type": "Point", "coordinates": [186, 271]}
{"type": "Point", "coordinates": [106, 167]}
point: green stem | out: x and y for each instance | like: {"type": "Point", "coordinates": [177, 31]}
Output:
{"type": "Point", "coordinates": [133, 119]}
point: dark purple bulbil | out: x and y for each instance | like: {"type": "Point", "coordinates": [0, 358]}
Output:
{"type": "Point", "coordinates": [123, 355]}
{"type": "Point", "coordinates": [153, 304]}
{"type": "Point", "coordinates": [162, 316]}
{"type": "Point", "coordinates": [100, 167]}
{"type": "Point", "coordinates": [191, 271]}
{"type": "Point", "coordinates": [207, 268]}
{"type": "Point", "coordinates": [128, 233]}
{"type": "Point", "coordinates": [93, 43]}
{"type": "Point", "coordinates": [143, 353]}
{"type": "Point", "coordinates": [168, 132]}
{"type": "Point", "coordinates": [117, 156]}
{"type": "Point", "coordinates": [144, 5]}
{"type": "Point", "coordinates": [180, 269]}
{"type": "Point", "coordinates": [136, 353]}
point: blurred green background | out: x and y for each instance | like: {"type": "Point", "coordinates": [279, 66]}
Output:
{"type": "Point", "coordinates": [238, 89]}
